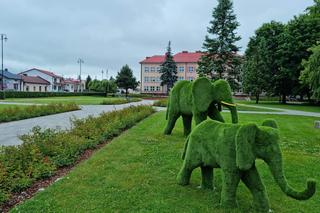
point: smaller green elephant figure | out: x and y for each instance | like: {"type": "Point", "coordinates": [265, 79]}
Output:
{"type": "Point", "coordinates": [234, 148]}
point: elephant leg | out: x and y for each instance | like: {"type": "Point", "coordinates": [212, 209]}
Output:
{"type": "Point", "coordinates": [171, 122]}
{"type": "Point", "coordinates": [230, 181]}
{"type": "Point", "coordinates": [253, 181]}
{"type": "Point", "coordinates": [207, 177]}
{"type": "Point", "coordinates": [184, 175]}
{"type": "Point", "coordinates": [199, 117]}
{"type": "Point", "coordinates": [214, 114]}
{"type": "Point", "coordinates": [187, 121]}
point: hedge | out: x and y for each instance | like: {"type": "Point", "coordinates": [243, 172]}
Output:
{"type": "Point", "coordinates": [18, 94]}
{"type": "Point", "coordinates": [43, 151]}
{"type": "Point", "coordinates": [18, 113]}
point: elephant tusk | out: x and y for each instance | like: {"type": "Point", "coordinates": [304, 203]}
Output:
{"type": "Point", "coordinates": [228, 104]}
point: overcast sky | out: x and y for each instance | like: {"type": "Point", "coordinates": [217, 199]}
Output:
{"type": "Point", "coordinates": [107, 34]}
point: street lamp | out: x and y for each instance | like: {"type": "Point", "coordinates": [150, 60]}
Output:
{"type": "Point", "coordinates": [3, 38]}
{"type": "Point", "coordinates": [80, 61]}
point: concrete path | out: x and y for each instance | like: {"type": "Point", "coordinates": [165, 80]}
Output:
{"type": "Point", "coordinates": [9, 132]}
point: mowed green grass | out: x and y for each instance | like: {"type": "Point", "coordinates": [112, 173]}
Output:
{"type": "Point", "coordinates": [80, 100]}
{"type": "Point", "coordinates": [137, 172]}
{"type": "Point", "coordinates": [273, 104]}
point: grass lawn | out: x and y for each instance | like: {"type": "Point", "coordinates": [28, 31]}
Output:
{"type": "Point", "coordinates": [80, 100]}
{"type": "Point", "coordinates": [137, 173]}
{"type": "Point", "coordinates": [273, 104]}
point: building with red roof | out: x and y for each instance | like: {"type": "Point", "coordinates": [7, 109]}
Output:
{"type": "Point", "coordinates": [34, 84]}
{"type": "Point", "coordinates": [56, 81]}
{"type": "Point", "coordinates": [187, 63]}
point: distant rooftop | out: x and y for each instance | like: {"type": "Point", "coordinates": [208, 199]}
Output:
{"type": "Point", "coordinates": [34, 80]}
{"type": "Point", "coordinates": [9, 75]}
{"type": "Point", "coordinates": [44, 71]}
{"type": "Point", "coordinates": [182, 57]}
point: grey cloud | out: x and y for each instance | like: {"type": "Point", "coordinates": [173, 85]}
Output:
{"type": "Point", "coordinates": [108, 34]}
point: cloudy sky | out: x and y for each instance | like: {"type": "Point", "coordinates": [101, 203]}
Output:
{"type": "Point", "coordinates": [107, 34]}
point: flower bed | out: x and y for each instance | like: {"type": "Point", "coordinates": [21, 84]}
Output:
{"type": "Point", "coordinates": [120, 101]}
{"type": "Point", "coordinates": [43, 151]}
{"type": "Point", "coordinates": [19, 113]}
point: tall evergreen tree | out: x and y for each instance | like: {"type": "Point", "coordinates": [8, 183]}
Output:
{"type": "Point", "coordinates": [125, 79]}
{"type": "Point", "coordinates": [88, 80]}
{"type": "Point", "coordinates": [168, 70]}
{"type": "Point", "coordinates": [219, 45]}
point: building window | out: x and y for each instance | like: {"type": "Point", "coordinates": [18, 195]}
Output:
{"type": "Point", "coordinates": [181, 69]}
{"type": "Point", "coordinates": [158, 79]}
{"type": "Point", "coordinates": [34, 88]}
{"type": "Point", "coordinates": [16, 86]}
{"type": "Point", "coordinates": [27, 88]}
{"type": "Point", "coordinates": [54, 87]}
{"type": "Point", "coordinates": [146, 88]}
{"type": "Point", "coordinates": [158, 69]}
{"type": "Point", "coordinates": [146, 79]}
{"type": "Point", "coordinates": [153, 79]}
{"type": "Point", "coordinates": [153, 69]}
{"type": "Point", "coordinates": [146, 69]}
{"type": "Point", "coordinates": [45, 88]}
{"type": "Point", "coordinates": [190, 69]}
{"type": "Point", "coordinates": [39, 88]}
{"type": "Point", "coordinates": [152, 88]}
{"type": "Point", "coordinates": [181, 78]}
{"type": "Point", "coordinates": [190, 78]}
{"type": "Point", "coordinates": [158, 88]}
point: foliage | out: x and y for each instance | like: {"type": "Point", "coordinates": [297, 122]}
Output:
{"type": "Point", "coordinates": [311, 73]}
{"type": "Point", "coordinates": [261, 66]}
{"type": "Point", "coordinates": [168, 70]}
{"type": "Point", "coordinates": [220, 48]}
{"type": "Point", "coordinates": [136, 173]}
{"type": "Point", "coordinates": [161, 103]}
{"type": "Point", "coordinates": [88, 80]}
{"type": "Point", "coordinates": [234, 149]}
{"type": "Point", "coordinates": [198, 99]}
{"type": "Point", "coordinates": [42, 151]}
{"type": "Point", "coordinates": [125, 79]}
{"type": "Point", "coordinates": [105, 86]}
{"type": "Point", "coordinates": [14, 113]}
{"type": "Point", "coordinates": [18, 94]}
{"type": "Point", "coordinates": [120, 101]}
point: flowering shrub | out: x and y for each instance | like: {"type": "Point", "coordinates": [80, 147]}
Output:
{"type": "Point", "coordinates": [19, 113]}
{"type": "Point", "coordinates": [43, 151]}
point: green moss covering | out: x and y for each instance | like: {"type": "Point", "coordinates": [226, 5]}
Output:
{"type": "Point", "coordinates": [234, 148]}
{"type": "Point", "coordinates": [199, 99]}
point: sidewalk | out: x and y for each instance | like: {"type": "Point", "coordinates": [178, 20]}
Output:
{"type": "Point", "coordinates": [10, 131]}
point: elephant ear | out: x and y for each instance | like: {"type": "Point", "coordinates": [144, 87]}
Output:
{"type": "Point", "coordinates": [245, 139]}
{"type": "Point", "coordinates": [202, 94]}
{"type": "Point", "coordinates": [270, 123]}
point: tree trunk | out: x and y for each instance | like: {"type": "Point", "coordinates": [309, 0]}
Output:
{"type": "Point", "coordinates": [257, 98]}
{"type": "Point", "coordinates": [284, 98]}
{"type": "Point", "coordinates": [126, 92]}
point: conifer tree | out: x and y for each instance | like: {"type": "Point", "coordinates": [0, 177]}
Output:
{"type": "Point", "coordinates": [168, 70]}
{"type": "Point", "coordinates": [125, 79]}
{"type": "Point", "coordinates": [220, 48]}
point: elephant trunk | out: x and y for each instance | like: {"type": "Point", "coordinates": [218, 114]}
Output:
{"type": "Point", "coordinates": [277, 172]}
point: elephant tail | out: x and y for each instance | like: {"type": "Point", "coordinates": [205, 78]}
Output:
{"type": "Point", "coordinates": [185, 147]}
{"type": "Point", "coordinates": [168, 105]}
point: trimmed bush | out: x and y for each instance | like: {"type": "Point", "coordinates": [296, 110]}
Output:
{"type": "Point", "coordinates": [19, 113]}
{"type": "Point", "coordinates": [43, 151]}
{"type": "Point", "coordinates": [120, 101]}
{"type": "Point", "coordinates": [161, 103]}
{"type": "Point", "coordinates": [19, 94]}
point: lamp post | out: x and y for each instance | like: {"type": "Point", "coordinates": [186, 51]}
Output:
{"type": "Point", "coordinates": [3, 38]}
{"type": "Point", "coordinates": [108, 82]}
{"type": "Point", "coordinates": [80, 61]}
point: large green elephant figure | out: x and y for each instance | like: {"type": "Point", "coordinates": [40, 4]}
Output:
{"type": "Point", "coordinates": [234, 148]}
{"type": "Point", "coordinates": [199, 99]}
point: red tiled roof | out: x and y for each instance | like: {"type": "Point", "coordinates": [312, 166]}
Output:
{"type": "Point", "coordinates": [45, 72]}
{"type": "Point", "coordinates": [182, 57]}
{"type": "Point", "coordinates": [34, 80]}
{"type": "Point", "coordinates": [71, 81]}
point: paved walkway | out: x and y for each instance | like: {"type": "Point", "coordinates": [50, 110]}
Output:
{"type": "Point", "coordinates": [10, 131]}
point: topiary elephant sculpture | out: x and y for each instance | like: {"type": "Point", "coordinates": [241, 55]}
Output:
{"type": "Point", "coordinates": [199, 99]}
{"type": "Point", "coordinates": [234, 148]}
